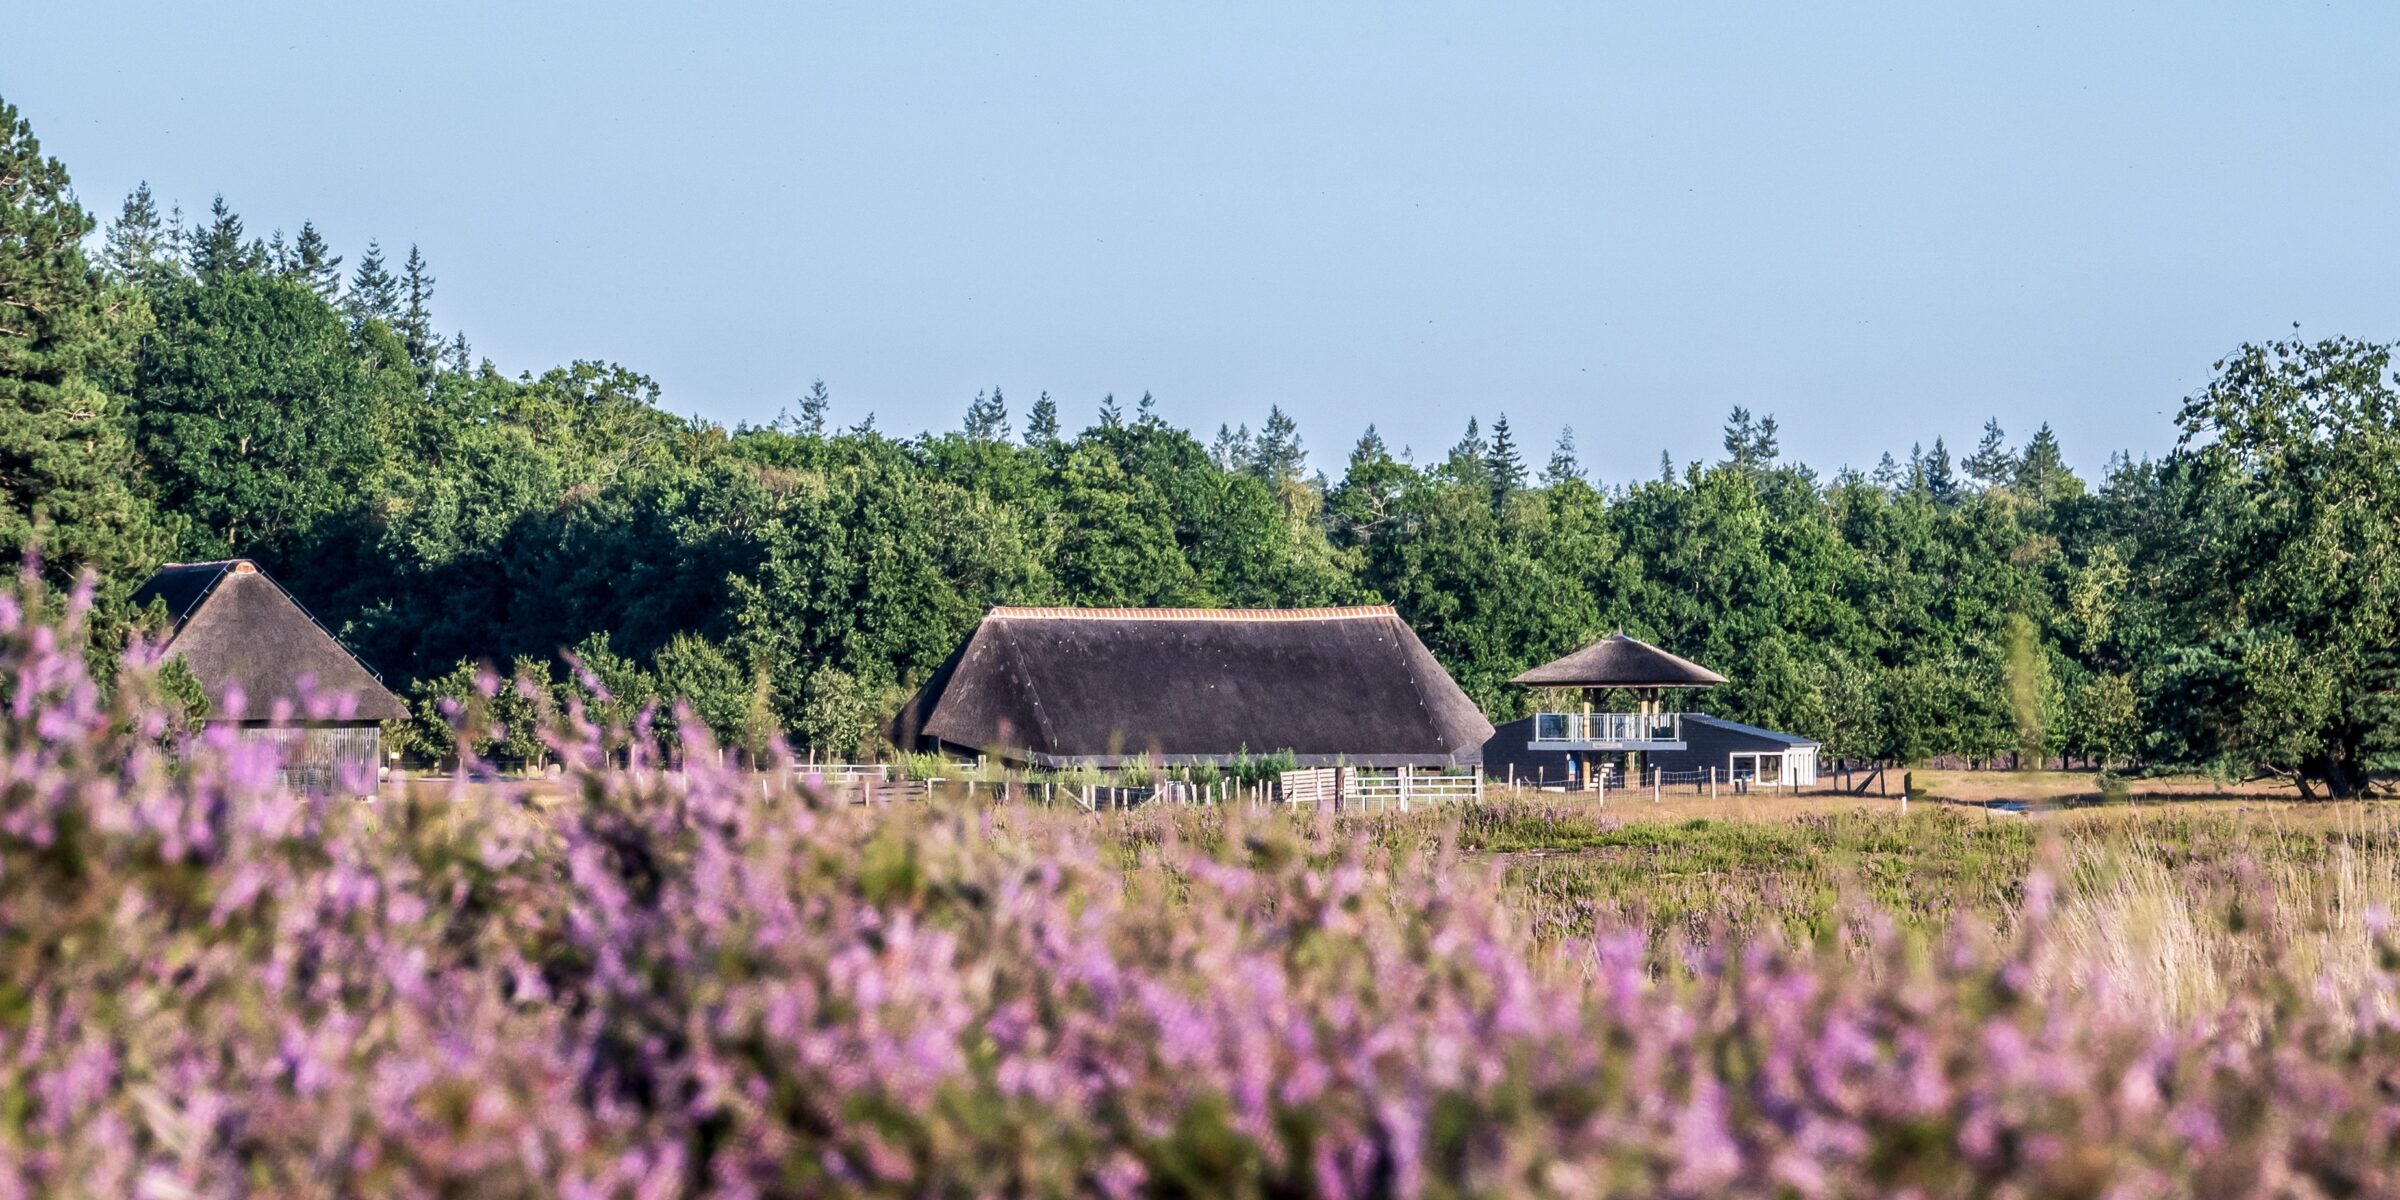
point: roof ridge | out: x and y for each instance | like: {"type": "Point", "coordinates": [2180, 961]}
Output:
{"type": "Point", "coordinates": [1065, 612]}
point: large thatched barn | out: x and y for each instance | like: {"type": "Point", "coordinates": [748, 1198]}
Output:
{"type": "Point", "coordinates": [1103, 687]}
{"type": "Point", "coordinates": [258, 654]}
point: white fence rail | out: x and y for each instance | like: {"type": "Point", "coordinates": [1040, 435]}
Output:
{"type": "Point", "coordinates": [1356, 789]}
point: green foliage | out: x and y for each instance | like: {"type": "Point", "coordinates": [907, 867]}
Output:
{"type": "Point", "coordinates": [2235, 606]}
{"type": "Point", "coordinates": [841, 716]}
{"type": "Point", "coordinates": [255, 412]}
{"type": "Point", "coordinates": [2286, 570]}
{"type": "Point", "coordinates": [67, 468]}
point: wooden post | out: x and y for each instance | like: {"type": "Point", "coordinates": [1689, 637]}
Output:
{"type": "Point", "coordinates": [1404, 789]}
{"type": "Point", "coordinates": [1654, 785]}
{"type": "Point", "coordinates": [1712, 783]}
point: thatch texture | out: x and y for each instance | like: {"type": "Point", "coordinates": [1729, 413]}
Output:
{"type": "Point", "coordinates": [1103, 687]}
{"type": "Point", "coordinates": [236, 628]}
{"type": "Point", "coordinates": [1618, 661]}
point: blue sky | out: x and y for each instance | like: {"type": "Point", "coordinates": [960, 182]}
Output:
{"type": "Point", "coordinates": [1880, 222]}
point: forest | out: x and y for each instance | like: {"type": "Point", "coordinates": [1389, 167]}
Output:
{"type": "Point", "coordinates": [179, 388]}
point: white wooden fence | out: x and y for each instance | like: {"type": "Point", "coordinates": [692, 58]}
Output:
{"type": "Point", "coordinates": [1357, 789]}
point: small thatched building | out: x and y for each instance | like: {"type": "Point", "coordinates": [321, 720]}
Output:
{"type": "Point", "coordinates": [259, 655]}
{"type": "Point", "coordinates": [1104, 687]}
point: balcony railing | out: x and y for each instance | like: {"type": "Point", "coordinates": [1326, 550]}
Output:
{"type": "Point", "coordinates": [1603, 729]}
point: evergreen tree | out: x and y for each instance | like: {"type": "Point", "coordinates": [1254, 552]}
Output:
{"type": "Point", "coordinates": [1503, 463]}
{"type": "Point", "coordinates": [1888, 474]}
{"type": "Point", "coordinates": [1279, 458]}
{"type": "Point", "coordinates": [136, 249]}
{"type": "Point", "coordinates": [415, 326]}
{"type": "Point", "coordinates": [279, 254]}
{"type": "Point", "coordinates": [1041, 422]}
{"type": "Point", "coordinates": [1992, 464]}
{"type": "Point", "coordinates": [2041, 471]}
{"type": "Point", "coordinates": [1934, 475]}
{"type": "Point", "coordinates": [1563, 464]}
{"type": "Point", "coordinates": [987, 417]}
{"type": "Point", "coordinates": [315, 264]}
{"type": "Point", "coordinates": [178, 238]}
{"type": "Point", "coordinates": [1750, 442]}
{"type": "Point", "coordinates": [1111, 417]}
{"type": "Point", "coordinates": [1363, 506]}
{"type": "Point", "coordinates": [219, 251]}
{"type": "Point", "coordinates": [460, 357]}
{"type": "Point", "coordinates": [1472, 444]}
{"type": "Point", "coordinates": [1234, 449]}
{"type": "Point", "coordinates": [66, 465]}
{"type": "Point", "coordinates": [374, 294]}
{"type": "Point", "coordinates": [813, 408]}
{"type": "Point", "coordinates": [1666, 468]}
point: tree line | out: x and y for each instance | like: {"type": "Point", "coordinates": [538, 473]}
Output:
{"type": "Point", "coordinates": [176, 389]}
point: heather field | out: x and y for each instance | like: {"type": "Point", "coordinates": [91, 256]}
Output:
{"type": "Point", "coordinates": [649, 984]}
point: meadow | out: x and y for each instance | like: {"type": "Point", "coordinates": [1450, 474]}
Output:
{"type": "Point", "coordinates": [650, 983]}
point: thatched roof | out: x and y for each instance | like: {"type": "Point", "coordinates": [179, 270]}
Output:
{"type": "Point", "coordinates": [1106, 686]}
{"type": "Point", "coordinates": [237, 628]}
{"type": "Point", "coordinates": [1618, 661]}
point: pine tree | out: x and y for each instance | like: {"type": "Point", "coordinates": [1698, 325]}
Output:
{"type": "Point", "coordinates": [460, 357]}
{"type": "Point", "coordinates": [1472, 445]}
{"type": "Point", "coordinates": [177, 237]}
{"type": "Point", "coordinates": [219, 251]}
{"type": "Point", "coordinates": [137, 243]}
{"type": "Point", "coordinates": [1934, 475]}
{"type": "Point", "coordinates": [1234, 448]}
{"type": "Point", "coordinates": [813, 408]}
{"type": "Point", "coordinates": [315, 264]}
{"type": "Point", "coordinates": [1503, 463]}
{"type": "Point", "coordinates": [1888, 474]}
{"type": "Point", "coordinates": [279, 254]}
{"type": "Point", "coordinates": [1041, 422]}
{"type": "Point", "coordinates": [66, 460]}
{"type": "Point", "coordinates": [374, 294]}
{"type": "Point", "coordinates": [987, 417]}
{"type": "Point", "coordinates": [1992, 464]}
{"type": "Point", "coordinates": [2042, 470]}
{"type": "Point", "coordinates": [1666, 468]}
{"type": "Point", "coordinates": [1750, 442]}
{"type": "Point", "coordinates": [415, 326]}
{"type": "Point", "coordinates": [1563, 465]}
{"type": "Point", "coordinates": [1279, 457]}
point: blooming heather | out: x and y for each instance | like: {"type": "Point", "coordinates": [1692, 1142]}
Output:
{"type": "Point", "coordinates": [708, 982]}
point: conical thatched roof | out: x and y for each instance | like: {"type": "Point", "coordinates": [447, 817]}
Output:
{"type": "Point", "coordinates": [1103, 687]}
{"type": "Point", "coordinates": [1618, 661]}
{"type": "Point", "coordinates": [236, 628]}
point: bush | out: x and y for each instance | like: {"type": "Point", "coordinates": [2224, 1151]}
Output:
{"type": "Point", "coordinates": [680, 984]}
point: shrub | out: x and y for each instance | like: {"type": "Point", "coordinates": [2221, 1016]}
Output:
{"type": "Point", "coordinates": [678, 982]}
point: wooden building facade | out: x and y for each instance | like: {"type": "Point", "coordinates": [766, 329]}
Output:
{"type": "Point", "coordinates": [272, 672]}
{"type": "Point", "coordinates": [1108, 687]}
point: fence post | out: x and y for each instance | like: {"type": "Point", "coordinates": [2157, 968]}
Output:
{"type": "Point", "coordinates": [1404, 769]}
{"type": "Point", "coordinates": [1712, 783]}
{"type": "Point", "coordinates": [1654, 785]}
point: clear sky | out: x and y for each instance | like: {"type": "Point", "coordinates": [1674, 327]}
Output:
{"type": "Point", "coordinates": [1880, 222]}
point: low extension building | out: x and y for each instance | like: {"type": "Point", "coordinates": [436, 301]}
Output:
{"type": "Point", "coordinates": [1599, 740]}
{"type": "Point", "coordinates": [260, 657]}
{"type": "Point", "coordinates": [1108, 687]}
